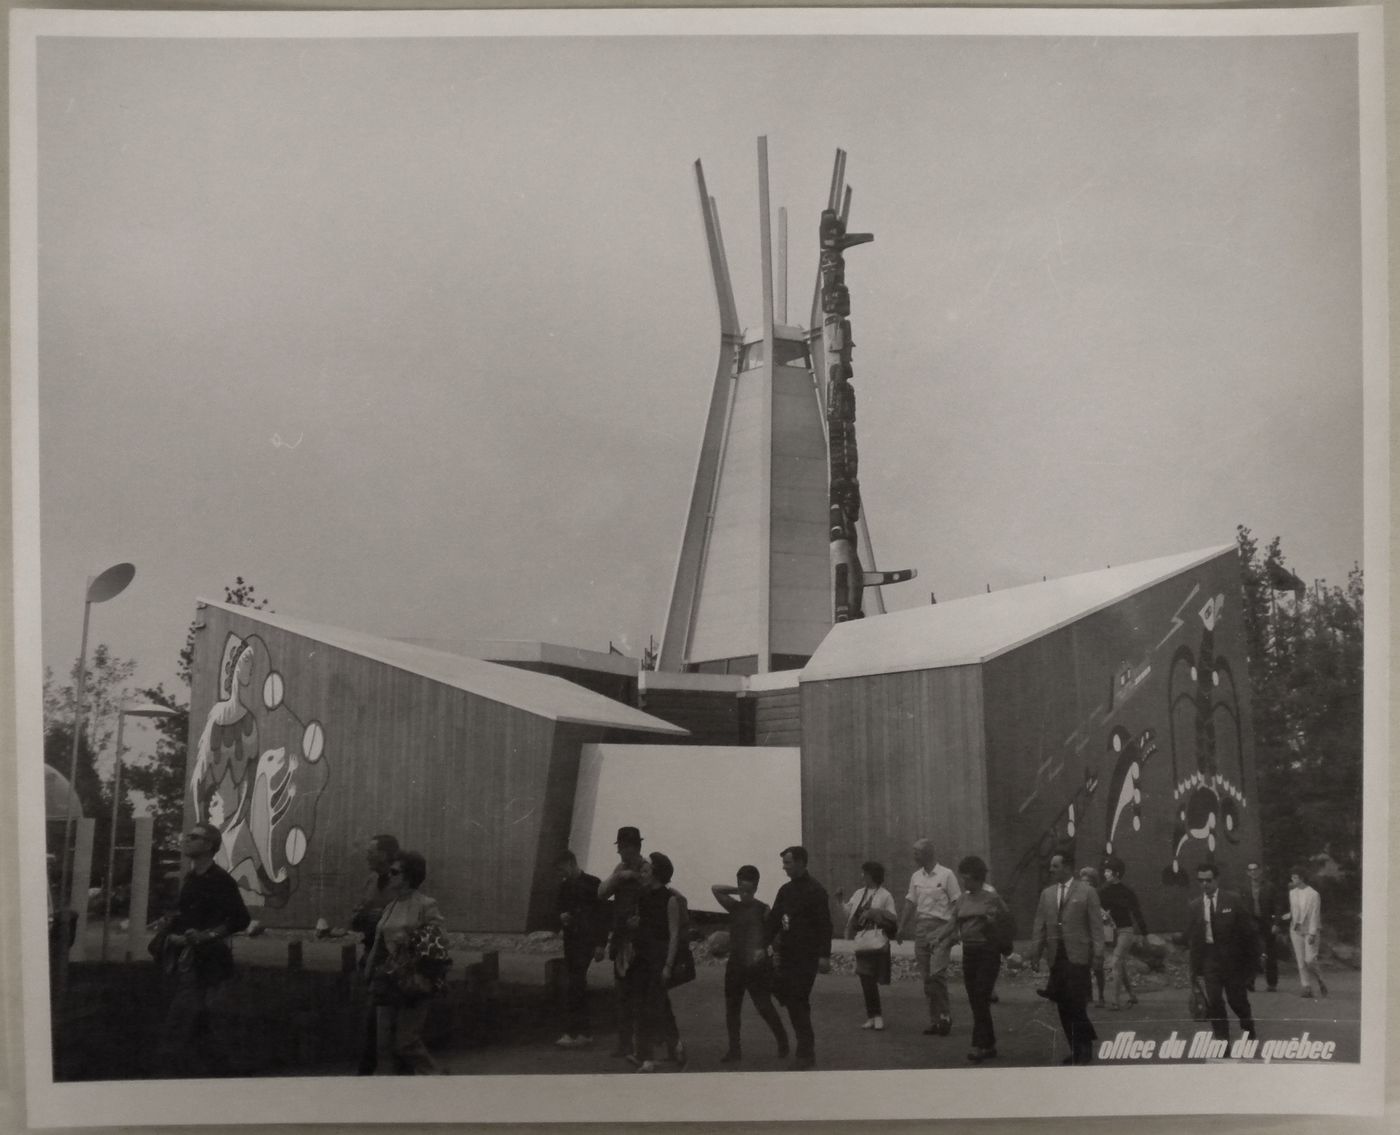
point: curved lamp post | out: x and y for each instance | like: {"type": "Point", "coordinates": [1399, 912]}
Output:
{"type": "Point", "coordinates": [142, 709]}
{"type": "Point", "coordinates": [108, 585]}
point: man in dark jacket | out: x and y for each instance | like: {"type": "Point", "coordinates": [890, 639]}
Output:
{"type": "Point", "coordinates": [621, 889]}
{"type": "Point", "coordinates": [799, 928]}
{"type": "Point", "coordinates": [196, 953]}
{"type": "Point", "coordinates": [582, 920]}
{"type": "Point", "coordinates": [1224, 951]}
{"type": "Point", "coordinates": [1261, 899]}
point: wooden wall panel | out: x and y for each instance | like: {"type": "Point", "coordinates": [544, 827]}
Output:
{"type": "Point", "coordinates": [888, 759]}
{"type": "Point", "coordinates": [1084, 747]}
{"type": "Point", "coordinates": [462, 779]}
{"type": "Point", "coordinates": [557, 815]}
{"type": "Point", "coordinates": [713, 717]}
{"type": "Point", "coordinates": [777, 717]}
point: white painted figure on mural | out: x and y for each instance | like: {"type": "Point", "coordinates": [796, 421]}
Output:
{"type": "Point", "coordinates": [262, 799]}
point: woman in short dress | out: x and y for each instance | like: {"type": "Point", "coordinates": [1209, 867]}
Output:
{"type": "Point", "coordinates": [658, 942]}
{"type": "Point", "coordinates": [872, 907]}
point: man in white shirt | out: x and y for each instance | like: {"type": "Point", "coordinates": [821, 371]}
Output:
{"type": "Point", "coordinates": [933, 889]}
{"type": "Point", "coordinates": [1304, 923]}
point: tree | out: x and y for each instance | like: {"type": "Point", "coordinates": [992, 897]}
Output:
{"type": "Point", "coordinates": [161, 778]}
{"type": "Point", "coordinates": [241, 594]}
{"type": "Point", "coordinates": [1306, 670]}
{"type": "Point", "coordinates": [104, 691]}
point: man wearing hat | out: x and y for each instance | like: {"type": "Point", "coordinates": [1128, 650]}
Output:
{"type": "Point", "coordinates": [195, 952]}
{"type": "Point", "coordinates": [623, 887]}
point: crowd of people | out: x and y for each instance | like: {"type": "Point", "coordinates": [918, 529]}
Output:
{"type": "Point", "coordinates": [1084, 928]}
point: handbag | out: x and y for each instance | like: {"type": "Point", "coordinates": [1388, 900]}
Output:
{"type": "Point", "coordinates": [1198, 1004]}
{"type": "Point", "coordinates": [871, 940]}
{"type": "Point", "coordinates": [1003, 930]}
{"type": "Point", "coordinates": [683, 970]}
{"type": "Point", "coordinates": [418, 968]}
{"type": "Point", "coordinates": [156, 946]}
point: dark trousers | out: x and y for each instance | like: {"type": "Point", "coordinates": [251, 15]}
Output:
{"type": "Point", "coordinates": [576, 963]}
{"type": "Point", "coordinates": [191, 1041]}
{"type": "Point", "coordinates": [1070, 987]}
{"type": "Point", "coordinates": [794, 986]}
{"type": "Point", "coordinates": [369, 1043]}
{"type": "Point", "coordinates": [757, 981]}
{"type": "Point", "coordinates": [1222, 983]}
{"type": "Point", "coordinates": [870, 990]}
{"type": "Point", "coordinates": [651, 1010]}
{"type": "Point", "coordinates": [1270, 955]}
{"type": "Point", "coordinates": [637, 995]}
{"type": "Point", "coordinates": [980, 967]}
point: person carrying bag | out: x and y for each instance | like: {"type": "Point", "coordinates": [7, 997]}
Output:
{"type": "Point", "coordinates": [871, 917]}
{"type": "Point", "coordinates": [408, 962]}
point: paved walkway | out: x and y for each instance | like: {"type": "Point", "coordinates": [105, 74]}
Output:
{"type": "Point", "coordinates": [1027, 1026]}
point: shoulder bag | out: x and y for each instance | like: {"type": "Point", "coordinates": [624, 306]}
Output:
{"type": "Point", "coordinates": [871, 940]}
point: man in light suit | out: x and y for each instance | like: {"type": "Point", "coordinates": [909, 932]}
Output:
{"type": "Point", "coordinates": [1224, 948]}
{"type": "Point", "coordinates": [1069, 928]}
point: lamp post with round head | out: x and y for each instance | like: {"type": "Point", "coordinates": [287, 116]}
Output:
{"type": "Point", "coordinates": [108, 585]}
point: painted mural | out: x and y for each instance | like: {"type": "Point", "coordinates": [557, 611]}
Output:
{"type": "Point", "coordinates": [1207, 745]}
{"type": "Point", "coordinates": [258, 774]}
{"type": "Point", "coordinates": [1126, 802]}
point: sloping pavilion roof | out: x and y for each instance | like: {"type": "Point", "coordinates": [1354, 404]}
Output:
{"type": "Point", "coordinates": [541, 694]}
{"type": "Point", "coordinates": [976, 629]}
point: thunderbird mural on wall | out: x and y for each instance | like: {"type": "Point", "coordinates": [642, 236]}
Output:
{"type": "Point", "coordinates": [258, 774]}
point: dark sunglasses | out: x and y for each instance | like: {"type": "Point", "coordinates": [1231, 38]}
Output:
{"type": "Point", "coordinates": [198, 836]}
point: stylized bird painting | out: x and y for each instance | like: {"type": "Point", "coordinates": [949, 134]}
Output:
{"type": "Point", "coordinates": [1207, 746]}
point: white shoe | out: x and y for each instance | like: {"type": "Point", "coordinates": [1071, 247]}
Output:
{"type": "Point", "coordinates": [566, 1041]}
{"type": "Point", "coordinates": [878, 1024]}
{"type": "Point", "coordinates": [582, 1040]}
{"type": "Point", "coordinates": [647, 1066]}
{"type": "Point", "coordinates": [869, 1023]}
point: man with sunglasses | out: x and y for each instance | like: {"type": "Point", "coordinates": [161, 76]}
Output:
{"type": "Point", "coordinates": [196, 953]}
{"type": "Point", "coordinates": [1224, 947]}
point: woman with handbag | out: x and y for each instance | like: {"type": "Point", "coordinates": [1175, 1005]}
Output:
{"type": "Point", "coordinates": [399, 987]}
{"type": "Point", "coordinates": [656, 934]}
{"type": "Point", "coordinates": [871, 917]}
{"type": "Point", "coordinates": [982, 920]}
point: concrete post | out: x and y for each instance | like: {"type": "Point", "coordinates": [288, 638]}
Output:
{"type": "Point", "coordinates": [140, 888]}
{"type": "Point", "coordinates": [80, 882]}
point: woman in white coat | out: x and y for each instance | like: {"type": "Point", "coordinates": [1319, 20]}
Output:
{"type": "Point", "coordinates": [872, 908]}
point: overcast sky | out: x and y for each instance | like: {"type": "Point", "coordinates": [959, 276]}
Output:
{"type": "Point", "coordinates": [418, 335]}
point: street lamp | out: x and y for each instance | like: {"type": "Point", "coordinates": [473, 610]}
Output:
{"type": "Point", "coordinates": [144, 709]}
{"type": "Point", "coordinates": [108, 585]}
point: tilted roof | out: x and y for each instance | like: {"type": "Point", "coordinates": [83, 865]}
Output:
{"type": "Point", "coordinates": [541, 694]}
{"type": "Point", "coordinates": [976, 629]}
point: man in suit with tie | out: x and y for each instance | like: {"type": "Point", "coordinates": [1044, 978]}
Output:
{"type": "Point", "coordinates": [1069, 928]}
{"type": "Point", "coordinates": [1224, 949]}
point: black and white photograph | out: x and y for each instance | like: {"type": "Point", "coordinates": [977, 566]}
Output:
{"type": "Point", "coordinates": [658, 565]}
